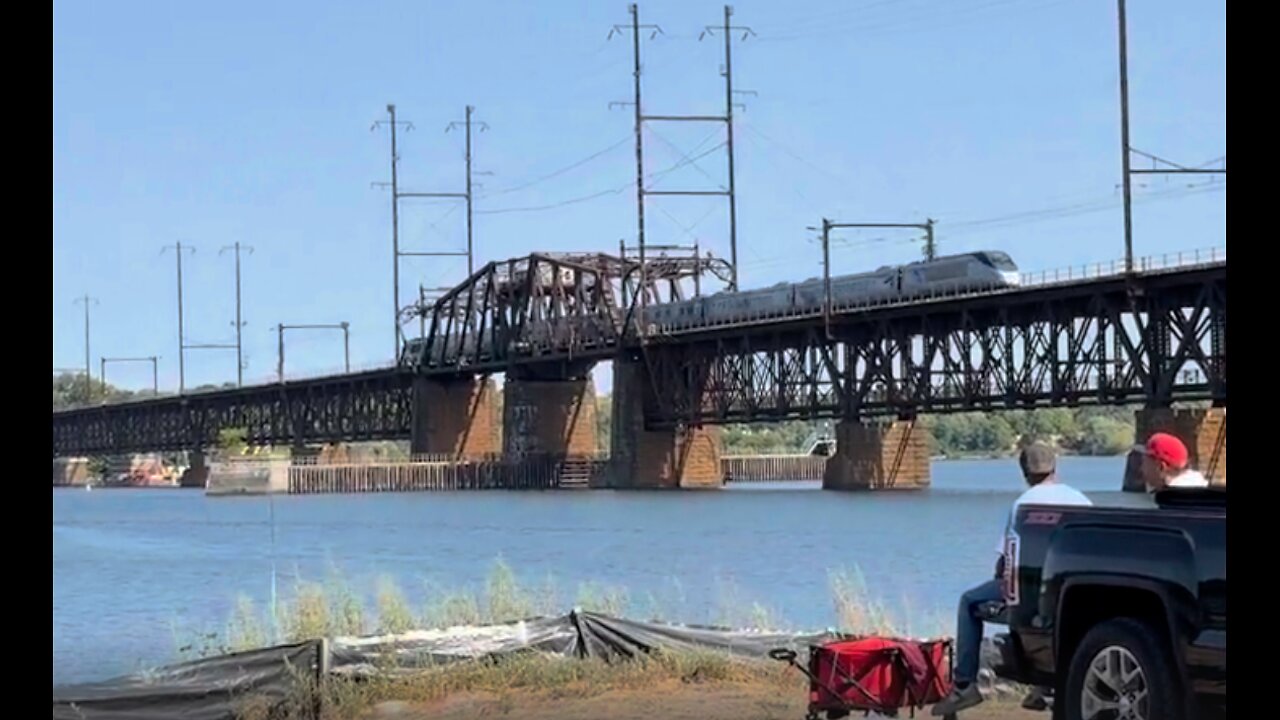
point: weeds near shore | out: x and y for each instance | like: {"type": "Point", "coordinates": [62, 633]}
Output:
{"type": "Point", "coordinates": [333, 608]}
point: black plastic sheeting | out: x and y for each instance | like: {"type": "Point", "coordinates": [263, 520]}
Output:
{"type": "Point", "coordinates": [214, 689]}
{"type": "Point", "coordinates": [209, 689]}
{"type": "Point", "coordinates": [579, 634]}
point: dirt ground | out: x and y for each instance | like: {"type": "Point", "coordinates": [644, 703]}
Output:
{"type": "Point", "coordinates": [671, 700]}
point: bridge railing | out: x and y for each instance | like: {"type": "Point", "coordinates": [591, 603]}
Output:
{"type": "Point", "coordinates": [1183, 260]}
{"type": "Point", "coordinates": [1150, 263]}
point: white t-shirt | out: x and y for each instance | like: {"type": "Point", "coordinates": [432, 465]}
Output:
{"type": "Point", "coordinates": [1188, 479]}
{"type": "Point", "coordinates": [1046, 493]}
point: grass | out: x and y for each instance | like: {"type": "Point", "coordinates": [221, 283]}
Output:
{"type": "Point", "coordinates": [332, 608]}
{"type": "Point", "coordinates": [518, 676]}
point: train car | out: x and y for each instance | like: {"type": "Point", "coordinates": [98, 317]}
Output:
{"type": "Point", "coordinates": [976, 271]}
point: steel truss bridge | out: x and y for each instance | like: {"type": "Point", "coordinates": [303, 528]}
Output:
{"type": "Point", "coordinates": [1153, 337]}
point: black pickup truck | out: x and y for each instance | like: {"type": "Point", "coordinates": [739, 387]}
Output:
{"type": "Point", "coordinates": [1120, 612]}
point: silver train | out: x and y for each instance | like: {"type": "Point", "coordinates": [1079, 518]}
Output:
{"type": "Point", "coordinates": [976, 271]}
{"type": "Point", "coordinates": [967, 272]}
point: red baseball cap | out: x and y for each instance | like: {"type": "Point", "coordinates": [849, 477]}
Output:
{"type": "Point", "coordinates": [1167, 449]}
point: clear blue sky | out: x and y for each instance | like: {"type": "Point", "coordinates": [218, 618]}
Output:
{"type": "Point", "coordinates": [212, 123]}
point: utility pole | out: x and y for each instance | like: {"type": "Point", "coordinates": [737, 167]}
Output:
{"type": "Point", "coordinates": [396, 195]}
{"type": "Point", "coordinates": [1124, 140]}
{"type": "Point", "coordinates": [183, 347]}
{"type": "Point", "coordinates": [88, 376]}
{"type": "Point", "coordinates": [177, 248]}
{"type": "Point", "coordinates": [344, 326]}
{"type": "Point", "coordinates": [1159, 165]}
{"type": "Point", "coordinates": [155, 372]}
{"type": "Point", "coordinates": [728, 119]}
{"type": "Point", "coordinates": [239, 323]}
{"type": "Point", "coordinates": [930, 252]}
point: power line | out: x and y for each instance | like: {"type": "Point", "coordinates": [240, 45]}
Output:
{"type": "Point", "coordinates": [561, 171]}
{"type": "Point", "coordinates": [922, 20]}
{"type": "Point", "coordinates": [1048, 214]}
{"type": "Point", "coordinates": [602, 193]}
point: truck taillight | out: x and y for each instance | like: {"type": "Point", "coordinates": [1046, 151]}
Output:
{"type": "Point", "coordinates": [1009, 579]}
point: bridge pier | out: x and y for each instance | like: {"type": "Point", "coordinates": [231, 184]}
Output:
{"type": "Point", "coordinates": [878, 456]}
{"type": "Point", "coordinates": [454, 417]}
{"type": "Point", "coordinates": [1202, 430]}
{"type": "Point", "coordinates": [553, 417]}
{"type": "Point", "coordinates": [645, 459]}
{"type": "Point", "coordinates": [197, 473]}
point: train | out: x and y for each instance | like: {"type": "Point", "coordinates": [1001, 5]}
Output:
{"type": "Point", "coordinates": [985, 270]}
{"type": "Point", "coordinates": [965, 272]}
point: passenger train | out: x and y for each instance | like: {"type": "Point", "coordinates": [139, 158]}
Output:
{"type": "Point", "coordinates": [967, 272]}
{"type": "Point", "coordinates": [976, 271]}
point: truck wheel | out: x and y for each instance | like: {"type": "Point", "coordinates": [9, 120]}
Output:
{"type": "Point", "coordinates": [1120, 671]}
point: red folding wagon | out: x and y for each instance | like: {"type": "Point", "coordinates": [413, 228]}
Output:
{"type": "Point", "coordinates": [874, 674]}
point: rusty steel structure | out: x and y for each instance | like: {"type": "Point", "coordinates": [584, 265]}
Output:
{"type": "Point", "coordinates": [1150, 338]}
{"type": "Point", "coordinates": [547, 308]}
{"type": "Point", "coordinates": [364, 406]}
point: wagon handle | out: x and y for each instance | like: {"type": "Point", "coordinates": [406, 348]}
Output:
{"type": "Point", "coordinates": [783, 655]}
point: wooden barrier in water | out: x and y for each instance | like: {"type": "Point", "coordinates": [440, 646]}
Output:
{"type": "Point", "coordinates": [769, 468]}
{"type": "Point", "coordinates": [539, 474]}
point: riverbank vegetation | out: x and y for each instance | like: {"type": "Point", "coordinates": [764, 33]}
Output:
{"type": "Point", "coordinates": [309, 609]}
{"type": "Point", "coordinates": [692, 684]}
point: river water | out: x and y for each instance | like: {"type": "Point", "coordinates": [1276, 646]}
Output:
{"type": "Point", "coordinates": [133, 570]}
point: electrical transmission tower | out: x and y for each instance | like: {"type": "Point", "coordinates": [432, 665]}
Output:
{"type": "Point", "coordinates": [641, 118]}
{"type": "Point", "coordinates": [396, 195]}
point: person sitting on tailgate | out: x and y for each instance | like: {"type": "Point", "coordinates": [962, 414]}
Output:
{"type": "Point", "coordinates": [1039, 468]}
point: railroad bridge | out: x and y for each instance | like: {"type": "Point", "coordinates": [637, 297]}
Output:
{"type": "Point", "coordinates": [1150, 338]}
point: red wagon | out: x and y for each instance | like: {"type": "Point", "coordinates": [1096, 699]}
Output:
{"type": "Point", "coordinates": [874, 674]}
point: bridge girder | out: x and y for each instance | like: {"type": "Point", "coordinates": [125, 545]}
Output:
{"type": "Point", "coordinates": [1151, 340]}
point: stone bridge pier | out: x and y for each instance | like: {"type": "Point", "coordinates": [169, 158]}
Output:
{"type": "Point", "coordinates": [873, 455]}
{"type": "Point", "coordinates": [549, 412]}
{"type": "Point", "coordinates": [454, 417]}
{"type": "Point", "coordinates": [643, 458]}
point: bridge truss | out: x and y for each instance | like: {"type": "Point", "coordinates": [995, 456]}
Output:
{"type": "Point", "coordinates": [367, 406]}
{"type": "Point", "coordinates": [1151, 339]}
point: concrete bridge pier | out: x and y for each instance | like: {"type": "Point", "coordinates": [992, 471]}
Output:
{"type": "Point", "coordinates": [646, 459]}
{"type": "Point", "coordinates": [454, 417]}
{"type": "Point", "coordinates": [549, 413]}
{"type": "Point", "coordinates": [1202, 430]}
{"type": "Point", "coordinates": [197, 473]}
{"type": "Point", "coordinates": [874, 455]}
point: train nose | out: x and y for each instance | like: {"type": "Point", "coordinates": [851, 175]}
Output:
{"type": "Point", "coordinates": [1011, 278]}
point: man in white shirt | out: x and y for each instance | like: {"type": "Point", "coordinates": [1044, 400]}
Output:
{"type": "Point", "coordinates": [1039, 468]}
{"type": "Point", "coordinates": [1164, 464]}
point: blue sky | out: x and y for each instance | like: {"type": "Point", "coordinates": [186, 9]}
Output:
{"type": "Point", "coordinates": [212, 123]}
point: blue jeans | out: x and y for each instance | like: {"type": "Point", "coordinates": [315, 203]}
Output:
{"type": "Point", "coordinates": [969, 630]}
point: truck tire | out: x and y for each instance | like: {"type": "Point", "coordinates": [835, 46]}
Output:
{"type": "Point", "coordinates": [1123, 665]}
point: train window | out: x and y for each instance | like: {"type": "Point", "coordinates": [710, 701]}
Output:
{"type": "Point", "coordinates": [997, 260]}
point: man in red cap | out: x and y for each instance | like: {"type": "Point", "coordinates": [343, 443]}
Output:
{"type": "Point", "coordinates": [1164, 464]}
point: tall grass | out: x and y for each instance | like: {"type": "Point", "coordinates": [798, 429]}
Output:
{"type": "Point", "coordinates": [333, 608]}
